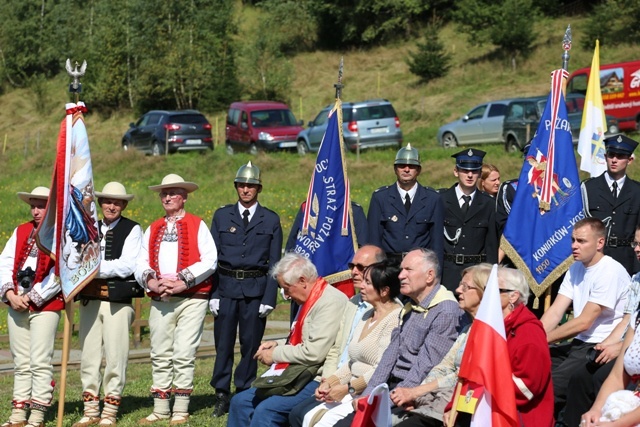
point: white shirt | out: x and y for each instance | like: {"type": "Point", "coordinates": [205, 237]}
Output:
{"type": "Point", "coordinates": [252, 210]}
{"type": "Point", "coordinates": [411, 192]}
{"type": "Point", "coordinates": [126, 264]}
{"type": "Point", "coordinates": [459, 195]}
{"type": "Point", "coordinates": [610, 181]}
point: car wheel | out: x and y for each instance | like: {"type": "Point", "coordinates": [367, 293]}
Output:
{"type": "Point", "coordinates": [253, 150]}
{"type": "Point", "coordinates": [613, 129]}
{"type": "Point", "coordinates": [230, 149]}
{"type": "Point", "coordinates": [512, 145]}
{"type": "Point", "coordinates": [302, 148]}
{"type": "Point", "coordinates": [155, 149]}
{"type": "Point", "coordinates": [449, 140]}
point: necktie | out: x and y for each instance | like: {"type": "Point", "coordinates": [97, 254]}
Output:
{"type": "Point", "coordinates": [245, 218]}
{"type": "Point", "coordinates": [407, 202]}
{"type": "Point", "coordinates": [465, 205]}
{"type": "Point", "coordinates": [614, 190]}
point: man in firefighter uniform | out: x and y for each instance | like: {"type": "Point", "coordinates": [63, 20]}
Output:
{"type": "Point", "coordinates": [249, 241]}
{"type": "Point", "coordinates": [407, 215]}
{"type": "Point", "coordinates": [470, 234]}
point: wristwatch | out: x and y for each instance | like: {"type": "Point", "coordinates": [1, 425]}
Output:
{"type": "Point", "coordinates": [351, 390]}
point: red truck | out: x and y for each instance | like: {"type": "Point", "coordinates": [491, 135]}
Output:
{"type": "Point", "coordinates": [620, 86]}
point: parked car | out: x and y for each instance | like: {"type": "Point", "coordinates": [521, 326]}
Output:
{"type": "Point", "coordinates": [184, 130]}
{"type": "Point", "coordinates": [261, 125]}
{"type": "Point", "coordinates": [368, 124]}
{"type": "Point", "coordinates": [523, 116]}
{"type": "Point", "coordinates": [481, 125]}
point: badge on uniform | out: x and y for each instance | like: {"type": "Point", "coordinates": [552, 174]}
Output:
{"type": "Point", "coordinates": [394, 218]}
{"type": "Point", "coordinates": [232, 229]}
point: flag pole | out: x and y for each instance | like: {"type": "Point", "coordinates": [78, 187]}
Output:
{"type": "Point", "coordinates": [75, 87]}
{"type": "Point", "coordinates": [566, 45]}
{"type": "Point", "coordinates": [453, 414]}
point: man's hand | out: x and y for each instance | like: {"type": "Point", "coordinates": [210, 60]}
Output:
{"type": "Point", "coordinates": [337, 393]}
{"type": "Point", "coordinates": [17, 302]}
{"type": "Point", "coordinates": [265, 310]}
{"type": "Point", "coordinates": [214, 306]}
{"type": "Point", "coordinates": [171, 287]}
{"type": "Point", "coordinates": [265, 352]}
{"type": "Point", "coordinates": [608, 352]}
{"type": "Point", "coordinates": [154, 285]}
{"type": "Point", "coordinates": [402, 396]}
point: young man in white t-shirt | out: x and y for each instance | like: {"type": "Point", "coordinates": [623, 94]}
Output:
{"type": "Point", "coordinates": [596, 286]}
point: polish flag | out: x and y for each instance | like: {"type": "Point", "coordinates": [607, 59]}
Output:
{"type": "Point", "coordinates": [374, 410]}
{"type": "Point", "coordinates": [485, 362]}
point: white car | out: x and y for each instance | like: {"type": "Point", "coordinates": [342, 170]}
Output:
{"type": "Point", "coordinates": [481, 125]}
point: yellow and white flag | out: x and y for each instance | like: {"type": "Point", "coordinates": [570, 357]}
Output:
{"type": "Point", "coordinates": [594, 123]}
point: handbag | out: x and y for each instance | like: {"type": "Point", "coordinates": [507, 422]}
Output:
{"type": "Point", "coordinates": [293, 379]}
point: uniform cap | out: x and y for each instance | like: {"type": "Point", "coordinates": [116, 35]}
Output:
{"type": "Point", "coordinates": [620, 144]}
{"type": "Point", "coordinates": [470, 159]}
{"type": "Point", "coordinates": [407, 156]}
{"type": "Point", "coordinates": [248, 174]}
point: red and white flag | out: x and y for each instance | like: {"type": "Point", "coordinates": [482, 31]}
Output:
{"type": "Point", "coordinates": [374, 410]}
{"type": "Point", "coordinates": [485, 363]}
{"type": "Point", "coordinates": [69, 230]}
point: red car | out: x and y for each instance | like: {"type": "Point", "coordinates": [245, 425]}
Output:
{"type": "Point", "coordinates": [261, 125]}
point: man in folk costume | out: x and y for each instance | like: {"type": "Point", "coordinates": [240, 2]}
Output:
{"type": "Point", "coordinates": [248, 237]}
{"type": "Point", "coordinates": [312, 335]}
{"type": "Point", "coordinates": [106, 312]}
{"type": "Point", "coordinates": [33, 294]}
{"type": "Point", "coordinates": [175, 265]}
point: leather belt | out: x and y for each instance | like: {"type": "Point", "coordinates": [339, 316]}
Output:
{"type": "Point", "coordinates": [184, 296]}
{"type": "Point", "coordinates": [614, 242]}
{"type": "Point", "coordinates": [241, 274]}
{"type": "Point", "coordinates": [465, 259]}
{"type": "Point", "coordinates": [97, 288]}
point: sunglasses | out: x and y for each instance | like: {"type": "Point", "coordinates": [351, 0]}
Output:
{"type": "Point", "coordinates": [358, 266]}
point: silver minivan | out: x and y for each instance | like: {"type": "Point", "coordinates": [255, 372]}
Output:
{"type": "Point", "coordinates": [367, 124]}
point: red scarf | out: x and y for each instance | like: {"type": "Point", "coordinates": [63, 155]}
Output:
{"type": "Point", "coordinates": [295, 337]}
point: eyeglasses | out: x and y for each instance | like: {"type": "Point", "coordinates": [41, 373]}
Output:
{"type": "Point", "coordinates": [171, 194]}
{"type": "Point", "coordinates": [634, 244]}
{"type": "Point", "coordinates": [505, 291]}
{"type": "Point", "coordinates": [358, 266]}
{"type": "Point", "coordinates": [465, 287]}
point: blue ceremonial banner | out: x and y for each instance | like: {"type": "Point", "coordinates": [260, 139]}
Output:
{"type": "Point", "coordinates": [69, 230]}
{"type": "Point", "coordinates": [537, 236]}
{"type": "Point", "coordinates": [327, 237]}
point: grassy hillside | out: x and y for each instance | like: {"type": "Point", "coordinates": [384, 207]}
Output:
{"type": "Point", "coordinates": [29, 137]}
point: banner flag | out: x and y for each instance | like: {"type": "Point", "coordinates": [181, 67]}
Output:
{"type": "Point", "coordinates": [594, 123]}
{"type": "Point", "coordinates": [327, 237]}
{"type": "Point", "coordinates": [485, 364]}
{"type": "Point", "coordinates": [69, 230]}
{"type": "Point", "coordinates": [547, 203]}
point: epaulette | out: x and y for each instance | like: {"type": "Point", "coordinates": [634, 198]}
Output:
{"type": "Point", "coordinates": [384, 187]}
{"type": "Point", "coordinates": [441, 190]}
{"type": "Point", "coordinates": [356, 203]}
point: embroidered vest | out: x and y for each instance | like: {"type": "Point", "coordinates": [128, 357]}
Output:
{"type": "Point", "coordinates": [43, 266]}
{"type": "Point", "coordinates": [188, 252]}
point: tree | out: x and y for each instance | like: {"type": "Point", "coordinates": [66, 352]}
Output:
{"type": "Point", "coordinates": [431, 61]}
{"type": "Point", "coordinates": [621, 18]}
{"type": "Point", "coordinates": [508, 24]}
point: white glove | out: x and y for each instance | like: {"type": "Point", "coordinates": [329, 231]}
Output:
{"type": "Point", "coordinates": [284, 297]}
{"type": "Point", "coordinates": [214, 306]}
{"type": "Point", "coordinates": [265, 310]}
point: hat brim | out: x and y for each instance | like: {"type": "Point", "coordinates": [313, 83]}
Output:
{"type": "Point", "coordinates": [188, 186]}
{"type": "Point", "coordinates": [617, 150]}
{"type": "Point", "coordinates": [125, 197]}
{"type": "Point", "coordinates": [26, 197]}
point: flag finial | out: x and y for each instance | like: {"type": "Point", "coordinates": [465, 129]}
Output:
{"type": "Point", "coordinates": [76, 86]}
{"type": "Point", "coordinates": [339, 85]}
{"type": "Point", "coordinates": [566, 45]}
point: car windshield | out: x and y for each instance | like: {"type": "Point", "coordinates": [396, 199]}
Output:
{"type": "Point", "coordinates": [272, 118]}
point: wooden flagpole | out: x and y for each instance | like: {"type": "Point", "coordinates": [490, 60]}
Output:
{"type": "Point", "coordinates": [66, 340]}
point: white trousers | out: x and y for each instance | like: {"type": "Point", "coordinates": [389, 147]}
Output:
{"type": "Point", "coordinates": [176, 329]}
{"type": "Point", "coordinates": [336, 412]}
{"type": "Point", "coordinates": [31, 338]}
{"type": "Point", "coordinates": [104, 330]}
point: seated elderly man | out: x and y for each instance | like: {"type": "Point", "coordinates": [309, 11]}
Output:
{"type": "Point", "coordinates": [428, 326]}
{"type": "Point", "coordinates": [312, 335]}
